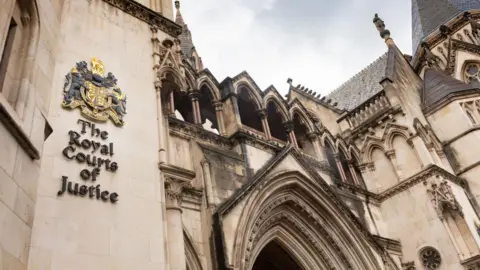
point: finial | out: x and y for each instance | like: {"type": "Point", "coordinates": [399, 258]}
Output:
{"type": "Point", "coordinates": [177, 4]}
{"type": "Point", "coordinates": [384, 33]}
{"type": "Point", "coordinates": [289, 81]}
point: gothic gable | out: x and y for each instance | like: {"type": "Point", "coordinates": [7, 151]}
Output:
{"type": "Point", "coordinates": [278, 203]}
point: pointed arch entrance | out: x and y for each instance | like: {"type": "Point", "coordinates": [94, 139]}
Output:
{"type": "Point", "coordinates": [274, 257]}
{"type": "Point", "coordinates": [289, 213]}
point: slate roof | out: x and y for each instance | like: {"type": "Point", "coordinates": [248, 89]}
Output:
{"type": "Point", "coordinates": [428, 15]}
{"type": "Point", "coordinates": [438, 85]}
{"type": "Point", "coordinates": [362, 86]}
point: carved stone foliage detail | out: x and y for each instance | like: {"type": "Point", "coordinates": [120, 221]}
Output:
{"type": "Point", "coordinates": [442, 197]}
{"type": "Point", "coordinates": [174, 192]}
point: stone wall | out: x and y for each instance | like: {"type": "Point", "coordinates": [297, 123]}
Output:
{"type": "Point", "coordinates": [24, 126]}
{"type": "Point", "coordinates": [74, 232]}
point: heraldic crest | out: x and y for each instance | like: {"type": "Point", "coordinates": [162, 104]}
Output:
{"type": "Point", "coordinates": [98, 96]}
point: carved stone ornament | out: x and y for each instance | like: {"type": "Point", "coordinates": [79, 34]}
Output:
{"type": "Point", "coordinates": [174, 192]}
{"type": "Point", "coordinates": [98, 96]}
{"type": "Point", "coordinates": [430, 258]}
{"type": "Point", "coordinates": [442, 197]}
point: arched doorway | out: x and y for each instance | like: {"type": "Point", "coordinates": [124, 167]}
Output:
{"type": "Point", "coordinates": [274, 257]}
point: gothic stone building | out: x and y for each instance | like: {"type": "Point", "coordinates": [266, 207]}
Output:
{"type": "Point", "coordinates": [192, 172]}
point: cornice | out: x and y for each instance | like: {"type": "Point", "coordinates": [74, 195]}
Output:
{"type": "Point", "coordinates": [429, 171]}
{"type": "Point", "coordinates": [176, 172]}
{"type": "Point", "coordinates": [147, 15]}
{"type": "Point", "coordinates": [389, 244]}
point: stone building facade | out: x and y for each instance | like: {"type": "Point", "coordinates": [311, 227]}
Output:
{"type": "Point", "coordinates": [190, 172]}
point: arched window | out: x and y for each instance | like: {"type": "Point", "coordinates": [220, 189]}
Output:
{"type": "Point", "coordinates": [249, 110]}
{"type": "Point", "coordinates": [332, 161]}
{"type": "Point", "coordinates": [207, 110]}
{"type": "Point", "coordinates": [346, 168]}
{"type": "Point", "coordinates": [471, 72]}
{"type": "Point", "coordinates": [18, 45]}
{"type": "Point", "coordinates": [301, 130]}
{"type": "Point", "coordinates": [275, 121]}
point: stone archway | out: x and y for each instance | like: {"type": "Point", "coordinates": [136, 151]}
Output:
{"type": "Point", "coordinates": [274, 257]}
{"type": "Point", "coordinates": [308, 221]}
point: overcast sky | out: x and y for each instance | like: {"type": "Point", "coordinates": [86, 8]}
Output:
{"type": "Point", "coordinates": [317, 43]}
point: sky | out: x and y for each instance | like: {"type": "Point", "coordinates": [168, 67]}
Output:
{"type": "Point", "coordinates": [318, 43]}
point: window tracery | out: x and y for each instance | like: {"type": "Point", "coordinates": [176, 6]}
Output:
{"type": "Point", "coordinates": [472, 72]}
{"type": "Point", "coordinates": [430, 258]}
{"type": "Point", "coordinates": [472, 110]}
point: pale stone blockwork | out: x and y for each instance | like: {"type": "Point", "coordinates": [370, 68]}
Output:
{"type": "Point", "coordinates": [203, 174]}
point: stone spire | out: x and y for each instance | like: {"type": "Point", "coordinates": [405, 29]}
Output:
{"type": "Point", "coordinates": [186, 42]}
{"type": "Point", "coordinates": [429, 15]}
{"type": "Point", "coordinates": [384, 33]}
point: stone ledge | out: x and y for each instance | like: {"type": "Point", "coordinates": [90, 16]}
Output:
{"type": "Point", "coordinates": [14, 125]}
{"type": "Point", "coordinates": [147, 15]}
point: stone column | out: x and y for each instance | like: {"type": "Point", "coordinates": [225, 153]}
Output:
{"type": "Point", "coordinates": [208, 183]}
{"type": "Point", "coordinates": [172, 104]}
{"type": "Point", "coordinates": [162, 156]}
{"type": "Point", "coordinates": [424, 155]}
{"type": "Point", "coordinates": [393, 158]}
{"type": "Point", "coordinates": [289, 128]}
{"type": "Point", "coordinates": [219, 113]}
{"type": "Point", "coordinates": [340, 168]}
{"type": "Point", "coordinates": [364, 170]}
{"type": "Point", "coordinates": [176, 246]}
{"type": "Point", "coordinates": [313, 137]}
{"type": "Point", "coordinates": [194, 95]}
{"type": "Point", "coordinates": [353, 173]}
{"type": "Point", "coordinates": [263, 117]}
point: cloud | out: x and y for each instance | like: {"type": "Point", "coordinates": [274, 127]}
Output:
{"type": "Point", "coordinates": [317, 43]}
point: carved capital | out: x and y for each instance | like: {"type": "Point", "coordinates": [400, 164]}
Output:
{"type": "Point", "coordinates": [312, 136]}
{"type": "Point", "coordinates": [390, 154]}
{"type": "Point", "coordinates": [262, 113]}
{"type": "Point", "coordinates": [158, 85]}
{"type": "Point", "coordinates": [288, 126]}
{"type": "Point", "coordinates": [218, 105]}
{"type": "Point", "coordinates": [194, 94]}
{"type": "Point", "coordinates": [174, 192]}
{"type": "Point", "coordinates": [205, 163]}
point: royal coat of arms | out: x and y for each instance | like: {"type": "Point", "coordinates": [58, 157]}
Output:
{"type": "Point", "coordinates": [98, 96]}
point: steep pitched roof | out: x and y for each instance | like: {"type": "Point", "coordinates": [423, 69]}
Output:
{"type": "Point", "coordinates": [438, 85]}
{"type": "Point", "coordinates": [428, 15]}
{"type": "Point", "coordinates": [362, 86]}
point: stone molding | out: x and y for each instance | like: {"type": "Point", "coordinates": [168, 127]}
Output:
{"type": "Point", "coordinates": [472, 263]}
{"type": "Point", "coordinates": [258, 182]}
{"type": "Point", "coordinates": [429, 171]}
{"type": "Point", "coordinates": [437, 36]}
{"type": "Point", "coordinates": [14, 125]}
{"type": "Point", "coordinates": [263, 223]}
{"type": "Point", "coordinates": [147, 15]}
{"type": "Point", "coordinates": [442, 196]}
{"type": "Point", "coordinates": [389, 244]}
{"type": "Point", "coordinates": [422, 176]}
{"type": "Point", "coordinates": [176, 180]}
